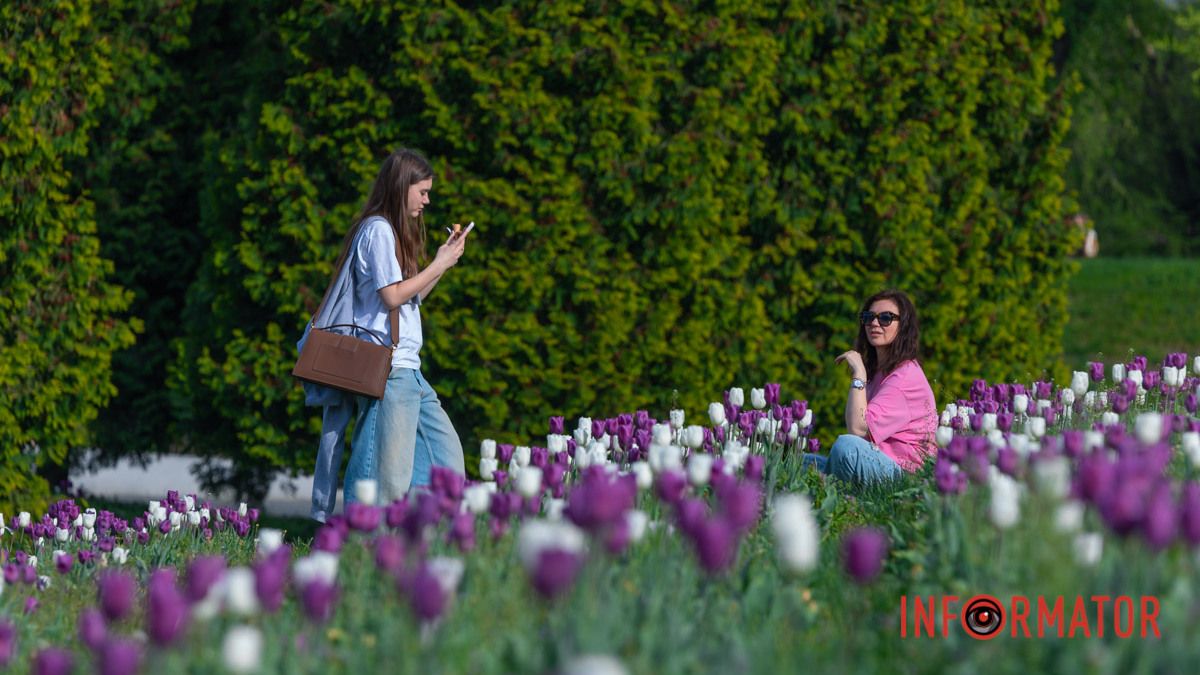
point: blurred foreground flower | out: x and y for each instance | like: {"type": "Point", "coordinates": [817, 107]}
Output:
{"type": "Point", "coordinates": [863, 551]}
{"type": "Point", "coordinates": [797, 535]}
{"type": "Point", "coordinates": [552, 553]}
{"type": "Point", "coordinates": [242, 649]}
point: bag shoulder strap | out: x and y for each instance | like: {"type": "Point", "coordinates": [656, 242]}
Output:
{"type": "Point", "coordinates": [393, 315]}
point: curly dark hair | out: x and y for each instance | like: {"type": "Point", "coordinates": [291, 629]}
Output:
{"type": "Point", "coordinates": [906, 346]}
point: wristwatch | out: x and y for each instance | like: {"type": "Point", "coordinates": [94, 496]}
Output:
{"type": "Point", "coordinates": [858, 384]}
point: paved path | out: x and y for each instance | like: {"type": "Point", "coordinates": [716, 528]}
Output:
{"type": "Point", "coordinates": [128, 482]}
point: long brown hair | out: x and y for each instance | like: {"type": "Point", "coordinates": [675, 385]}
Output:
{"type": "Point", "coordinates": [389, 200]}
{"type": "Point", "coordinates": [906, 346]}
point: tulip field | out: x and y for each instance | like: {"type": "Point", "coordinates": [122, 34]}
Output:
{"type": "Point", "coordinates": [694, 543]}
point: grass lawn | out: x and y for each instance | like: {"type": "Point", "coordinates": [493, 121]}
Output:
{"type": "Point", "coordinates": [1151, 305]}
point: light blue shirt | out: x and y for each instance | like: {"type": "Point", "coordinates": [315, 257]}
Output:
{"type": "Point", "coordinates": [374, 266]}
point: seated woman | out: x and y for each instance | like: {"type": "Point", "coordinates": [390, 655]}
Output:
{"type": "Point", "coordinates": [891, 416]}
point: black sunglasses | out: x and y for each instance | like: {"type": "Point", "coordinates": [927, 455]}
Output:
{"type": "Point", "coordinates": [885, 318]}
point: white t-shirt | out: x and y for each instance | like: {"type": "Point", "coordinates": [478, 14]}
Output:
{"type": "Point", "coordinates": [374, 265]}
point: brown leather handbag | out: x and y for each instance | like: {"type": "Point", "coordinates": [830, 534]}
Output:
{"type": "Point", "coordinates": [344, 361]}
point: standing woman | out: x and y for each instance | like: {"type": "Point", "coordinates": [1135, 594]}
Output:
{"type": "Point", "coordinates": [398, 438]}
{"type": "Point", "coordinates": [891, 416]}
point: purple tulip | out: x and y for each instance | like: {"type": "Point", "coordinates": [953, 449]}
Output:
{"type": "Point", "coordinates": [1151, 379]}
{"type": "Point", "coordinates": [556, 425]}
{"type": "Point", "coordinates": [741, 503]}
{"type": "Point", "coordinates": [319, 599]}
{"type": "Point", "coordinates": [462, 531]}
{"type": "Point", "coordinates": [52, 661]}
{"type": "Point", "coordinates": [617, 537]}
{"type": "Point", "coordinates": [754, 467]}
{"type": "Point", "coordinates": [328, 539]}
{"type": "Point", "coordinates": [504, 453]}
{"type": "Point", "coordinates": [115, 592]}
{"type": "Point", "coordinates": [443, 481]}
{"type": "Point", "coordinates": [395, 513]}
{"type": "Point", "coordinates": [670, 485]}
{"type": "Point", "coordinates": [92, 629]}
{"type": "Point", "coordinates": [597, 429]}
{"type": "Point", "coordinates": [120, 657]}
{"type": "Point", "coordinates": [1189, 513]}
{"type": "Point", "coordinates": [716, 542]}
{"type": "Point", "coordinates": [1161, 524]}
{"type": "Point", "coordinates": [771, 393]}
{"type": "Point", "coordinates": [29, 575]}
{"type": "Point", "coordinates": [1007, 461]}
{"type": "Point", "coordinates": [12, 572]}
{"type": "Point", "coordinates": [8, 643]}
{"type": "Point", "coordinates": [202, 573]}
{"type": "Point", "coordinates": [166, 608]}
{"type": "Point", "coordinates": [555, 572]}
{"type": "Point", "coordinates": [425, 594]}
{"type": "Point", "coordinates": [1096, 370]}
{"type": "Point", "coordinates": [270, 581]}
{"type": "Point", "coordinates": [389, 553]}
{"type": "Point", "coordinates": [949, 481]}
{"type": "Point", "coordinates": [863, 551]}
{"type": "Point", "coordinates": [600, 500]}
{"type": "Point", "coordinates": [1190, 403]}
{"type": "Point", "coordinates": [63, 562]}
{"type": "Point", "coordinates": [31, 604]}
{"type": "Point", "coordinates": [814, 445]}
{"type": "Point", "coordinates": [363, 517]}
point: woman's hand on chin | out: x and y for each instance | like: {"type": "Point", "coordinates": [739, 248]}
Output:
{"type": "Point", "coordinates": [854, 362]}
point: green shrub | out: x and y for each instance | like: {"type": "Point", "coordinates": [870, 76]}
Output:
{"type": "Point", "coordinates": [667, 198]}
{"type": "Point", "coordinates": [60, 327]}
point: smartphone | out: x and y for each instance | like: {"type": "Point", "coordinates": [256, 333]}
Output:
{"type": "Point", "coordinates": [462, 233]}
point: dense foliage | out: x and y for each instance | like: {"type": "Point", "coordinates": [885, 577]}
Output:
{"type": "Point", "coordinates": [57, 295]}
{"type": "Point", "coordinates": [667, 199]}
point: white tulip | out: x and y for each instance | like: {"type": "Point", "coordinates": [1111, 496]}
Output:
{"type": "Point", "coordinates": [448, 572]}
{"type": "Point", "coordinates": [1170, 376]}
{"type": "Point", "coordinates": [269, 539]}
{"type": "Point", "coordinates": [1004, 509]}
{"type": "Point", "coordinates": [643, 474]}
{"type": "Point", "coordinates": [242, 649]}
{"type": "Point", "coordinates": [160, 514]}
{"type": "Point", "coordinates": [89, 518]}
{"type": "Point", "coordinates": [88, 534]}
{"type": "Point", "coordinates": [996, 439]}
{"type": "Point", "coordinates": [716, 414]}
{"type": "Point", "coordinates": [583, 457]}
{"type": "Point", "coordinates": [1134, 376]}
{"type": "Point", "coordinates": [1190, 444]}
{"type": "Point", "coordinates": [1020, 403]}
{"type": "Point", "coordinates": [1068, 517]}
{"type": "Point", "coordinates": [23, 519]}
{"type": "Point", "coordinates": [988, 422]}
{"type": "Point", "coordinates": [176, 520]}
{"type": "Point", "coordinates": [1042, 405]}
{"type": "Point", "coordinates": [32, 561]}
{"type": "Point", "coordinates": [593, 664]}
{"type": "Point", "coordinates": [758, 398]}
{"type": "Point", "coordinates": [806, 421]}
{"type": "Point", "coordinates": [582, 436]}
{"type": "Point", "coordinates": [44, 582]}
{"type": "Point", "coordinates": [737, 397]}
{"type": "Point", "coordinates": [797, 535]}
{"type": "Point", "coordinates": [316, 566]}
{"type": "Point", "coordinates": [242, 510]}
{"type": "Point", "coordinates": [636, 520]}
{"type": "Point", "coordinates": [193, 518]}
{"type": "Point", "coordinates": [1118, 372]}
{"type": "Point", "coordinates": [766, 426]}
{"type": "Point", "coordinates": [676, 419]}
{"type": "Point", "coordinates": [529, 481]}
{"type": "Point", "coordinates": [62, 534]}
{"type": "Point", "coordinates": [239, 591]}
{"type": "Point", "coordinates": [699, 468]}
{"type": "Point", "coordinates": [1196, 364]}
{"type": "Point", "coordinates": [1110, 418]}
{"type": "Point", "coordinates": [554, 508]}
{"type": "Point", "coordinates": [522, 455]}
{"type": "Point", "coordinates": [661, 434]}
{"type": "Point", "coordinates": [1089, 546]}
{"type": "Point", "coordinates": [119, 555]}
{"type": "Point", "coordinates": [1053, 476]}
{"type": "Point", "coordinates": [487, 449]}
{"type": "Point", "coordinates": [1093, 439]}
{"type": "Point", "coordinates": [1036, 426]}
{"type": "Point", "coordinates": [477, 498]}
{"type": "Point", "coordinates": [946, 418]}
{"type": "Point", "coordinates": [952, 408]}
{"type": "Point", "coordinates": [190, 502]}
{"type": "Point", "coordinates": [598, 454]}
{"type": "Point", "coordinates": [1148, 427]}
{"type": "Point", "coordinates": [557, 443]}
{"type": "Point", "coordinates": [663, 457]}
{"type": "Point", "coordinates": [943, 436]}
{"type": "Point", "coordinates": [1089, 399]}
{"type": "Point", "coordinates": [692, 436]}
{"type": "Point", "coordinates": [1021, 444]}
{"type": "Point", "coordinates": [538, 535]}
{"type": "Point", "coordinates": [1080, 381]}
{"type": "Point", "coordinates": [488, 468]}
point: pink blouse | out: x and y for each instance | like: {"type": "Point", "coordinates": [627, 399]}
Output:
{"type": "Point", "coordinates": [902, 416]}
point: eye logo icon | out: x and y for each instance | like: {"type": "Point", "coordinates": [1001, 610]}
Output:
{"type": "Point", "coordinates": [982, 617]}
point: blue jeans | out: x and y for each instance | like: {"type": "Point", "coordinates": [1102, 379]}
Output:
{"type": "Point", "coordinates": [329, 457]}
{"type": "Point", "coordinates": [855, 459]}
{"type": "Point", "coordinates": [401, 437]}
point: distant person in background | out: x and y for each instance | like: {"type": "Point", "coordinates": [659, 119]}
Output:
{"type": "Point", "coordinates": [891, 415]}
{"type": "Point", "coordinates": [1091, 243]}
{"type": "Point", "coordinates": [399, 438]}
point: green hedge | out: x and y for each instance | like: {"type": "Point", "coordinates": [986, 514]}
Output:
{"type": "Point", "coordinates": [59, 306]}
{"type": "Point", "coordinates": [670, 199]}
